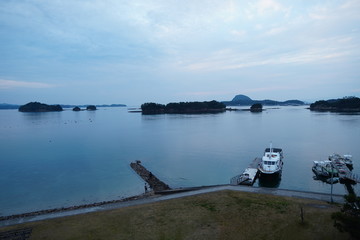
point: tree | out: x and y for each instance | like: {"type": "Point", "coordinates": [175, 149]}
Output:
{"type": "Point", "coordinates": [348, 220]}
{"type": "Point", "coordinates": [152, 108]}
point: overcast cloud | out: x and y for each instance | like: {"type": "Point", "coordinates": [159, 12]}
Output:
{"type": "Point", "coordinates": [111, 51]}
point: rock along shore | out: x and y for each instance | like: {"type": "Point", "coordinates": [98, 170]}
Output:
{"type": "Point", "coordinates": [63, 209]}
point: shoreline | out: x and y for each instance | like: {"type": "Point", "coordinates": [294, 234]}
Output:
{"type": "Point", "coordinates": [160, 196]}
{"type": "Point", "coordinates": [100, 204]}
{"type": "Point", "coordinates": [71, 208]}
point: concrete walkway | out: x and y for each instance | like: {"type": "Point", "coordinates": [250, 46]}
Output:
{"type": "Point", "coordinates": [156, 198]}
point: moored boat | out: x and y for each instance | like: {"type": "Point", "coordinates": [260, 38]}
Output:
{"type": "Point", "coordinates": [324, 169]}
{"type": "Point", "coordinates": [271, 163]}
{"type": "Point", "coordinates": [341, 160]}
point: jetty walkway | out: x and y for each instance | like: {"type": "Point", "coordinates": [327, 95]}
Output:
{"type": "Point", "coordinates": [249, 175]}
{"type": "Point", "coordinates": [156, 184]}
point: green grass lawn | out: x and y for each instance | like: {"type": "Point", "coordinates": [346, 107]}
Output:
{"type": "Point", "coordinates": [218, 215]}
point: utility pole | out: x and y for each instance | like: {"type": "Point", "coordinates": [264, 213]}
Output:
{"type": "Point", "coordinates": [331, 180]}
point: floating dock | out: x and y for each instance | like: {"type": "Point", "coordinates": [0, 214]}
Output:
{"type": "Point", "coordinates": [345, 174]}
{"type": "Point", "coordinates": [148, 177]}
{"type": "Point", "coordinates": [249, 175]}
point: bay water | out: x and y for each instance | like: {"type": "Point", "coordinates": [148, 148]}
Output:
{"type": "Point", "coordinates": [59, 159]}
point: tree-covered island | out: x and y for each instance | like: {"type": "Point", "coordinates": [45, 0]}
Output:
{"type": "Point", "coordinates": [257, 107]}
{"type": "Point", "coordinates": [183, 107]}
{"type": "Point", "coordinates": [346, 104]}
{"type": "Point", "coordinates": [39, 107]}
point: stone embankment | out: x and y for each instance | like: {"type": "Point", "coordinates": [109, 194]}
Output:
{"type": "Point", "coordinates": [71, 208]}
{"type": "Point", "coordinates": [154, 183]}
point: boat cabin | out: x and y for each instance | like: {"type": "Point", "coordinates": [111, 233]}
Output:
{"type": "Point", "coordinates": [271, 161]}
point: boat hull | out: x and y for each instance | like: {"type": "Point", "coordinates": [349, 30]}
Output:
{"type": "Point", "coordinates": [269, 175]}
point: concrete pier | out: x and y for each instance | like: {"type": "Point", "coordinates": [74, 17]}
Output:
{"type": "Point", "coordinates": [154, 183]}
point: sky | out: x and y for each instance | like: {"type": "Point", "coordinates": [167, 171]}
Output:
{"type": "Point", "coordinates": [131, 52]}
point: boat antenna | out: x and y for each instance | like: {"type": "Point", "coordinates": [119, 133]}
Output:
{"type": "Point", "coordinates": [271, 147]}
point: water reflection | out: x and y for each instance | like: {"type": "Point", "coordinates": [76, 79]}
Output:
{"type": "Point", "coordinates": [70, 156]}
{"type": "Point", "coordinates": [40, 118]}
{"type": "Point", "coordinates": [269, 181]}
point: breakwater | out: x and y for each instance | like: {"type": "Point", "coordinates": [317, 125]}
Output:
{"type": "Point", "coordinates": [154, 183]}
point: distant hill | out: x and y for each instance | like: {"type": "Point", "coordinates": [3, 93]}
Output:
{"type": "Point", "coordinates": [243, 100]}
{"type": "Point", "coordinates": [346, 104]}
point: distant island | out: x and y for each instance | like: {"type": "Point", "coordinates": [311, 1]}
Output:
{"type": "Point", "coordinates": [346, 104]}
{"type": "Point", "coordinates": [243, 100]}
{"type": "Point", "coordinates": [257, 107]}
{"type": "Point", "coordinates": [9, 106]}
{"type": "Point", "coordinates": [88, 108]}
{"type": "Point", "coordinates": [39, 107]}
{"type": "Point", "coordinates": [84, 106]}
{"type": "Point", "coordinates": [183, 108]}
{"type": "Point", "coordinates": [16, 106]}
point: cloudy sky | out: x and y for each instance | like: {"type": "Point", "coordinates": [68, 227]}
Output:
{"type": "Point", "coordinates": [113, 51]}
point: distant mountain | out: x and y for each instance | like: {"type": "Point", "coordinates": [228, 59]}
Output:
{"type": "Point", "coordinates": [243, 100]}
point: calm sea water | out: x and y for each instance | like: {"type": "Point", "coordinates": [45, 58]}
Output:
{"type": "Point", "coordinates": [67, 158]}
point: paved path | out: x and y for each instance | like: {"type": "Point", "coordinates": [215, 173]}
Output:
{"type": "Point", "coordinates": [157, 198]}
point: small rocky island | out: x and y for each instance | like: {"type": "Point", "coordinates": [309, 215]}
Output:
{"type": "Point", "coordinates": [346, 104]}
{"type": "Point", "coordinates": [39, 107]}
{"type": "Point", "coordinates": [257, 107]}
{"type": "Point", "coordinates": [183, 108]}
{"type": "Point", "coordinates": [91, 108]}
{"type": "Point", "coordinates": [88, 108]}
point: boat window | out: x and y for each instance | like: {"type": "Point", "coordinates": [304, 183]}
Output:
{"type": "Point", "coordinates": [269, 163]}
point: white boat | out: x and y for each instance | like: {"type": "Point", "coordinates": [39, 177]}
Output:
{"type": "Point", "coordinates": [324, 169]}
{"type": "Point", "coordinates": [272, 162]}
{"type": "Point", "coordinates": [344, 159]}
{"type": "Point", "coordinates": [348, 160]}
